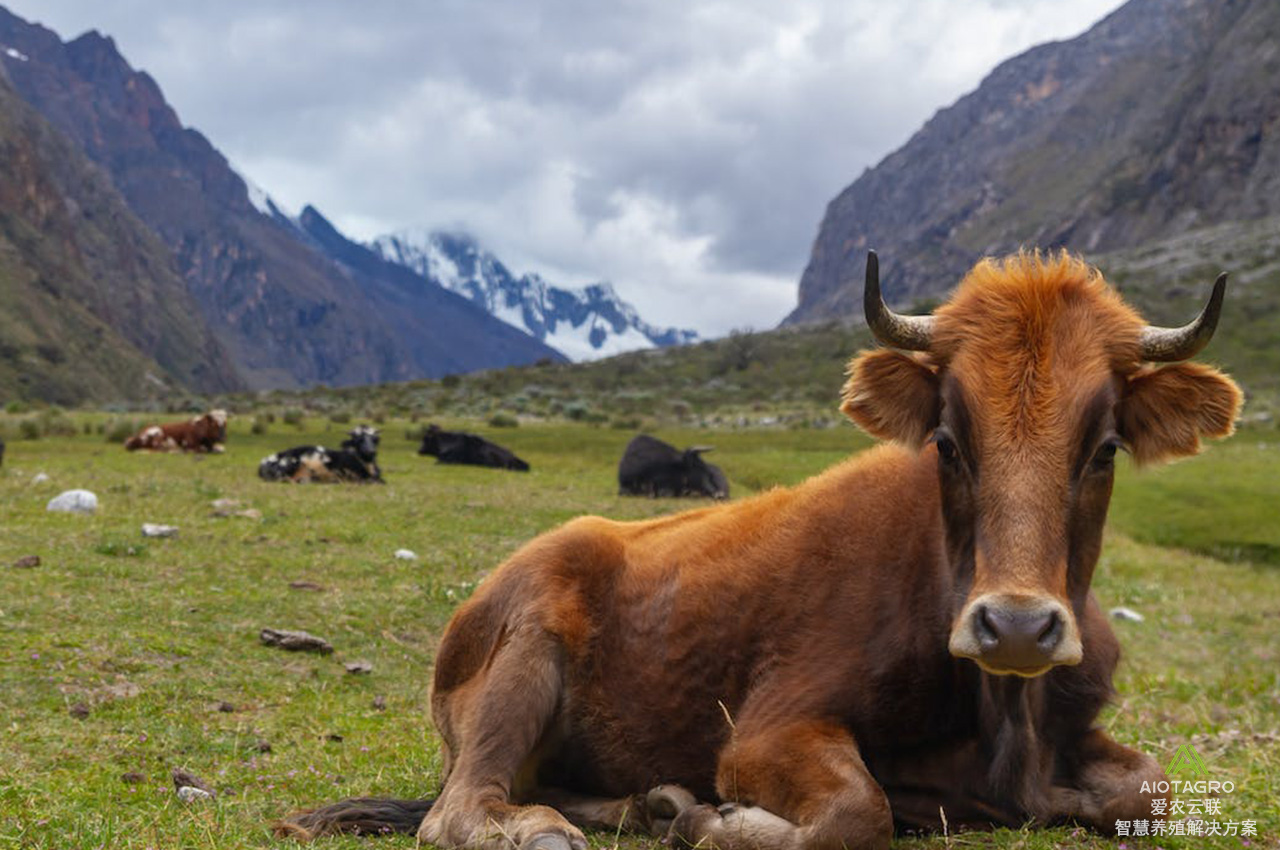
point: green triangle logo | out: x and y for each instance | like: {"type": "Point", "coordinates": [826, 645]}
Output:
{"type": "Point", "coordinates": [1186, 760]}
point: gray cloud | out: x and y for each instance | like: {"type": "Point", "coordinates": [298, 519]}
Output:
{"type": "Point", "coordinates": [685, 151]}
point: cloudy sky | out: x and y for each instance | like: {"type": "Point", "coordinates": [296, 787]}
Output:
{"type": "Point", "coordinates": [684, 149]}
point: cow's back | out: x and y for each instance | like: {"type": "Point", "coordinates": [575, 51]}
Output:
{"type": "Point", "coordinates": [649, 467]}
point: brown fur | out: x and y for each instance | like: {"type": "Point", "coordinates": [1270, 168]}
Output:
{"type": "Point", "coordinates": [788, 656]}
{"type": "Point", "coordinates": [205, 433]}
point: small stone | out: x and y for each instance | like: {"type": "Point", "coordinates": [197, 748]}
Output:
{"type": "Point", "coordinates": [224, 507]}
{"type": "Point", "coordinates": [40, 478]}
{"type": "Point", "coordinates": [295, 641]}
{"type": "Point", "coordinates": [27, 562]}
{"type": "Point", "coordinates": [358, 668]}
{"type": "Point", "coordinates": [249, 513]}
{"type": "Point", "coordinates": [132, 778]}
{"type": "Point", "coordinates": [406, 555]}
{"type": "Point", "coordinates": [185, 779]}
{"type": "Point", "coordinates": [226, 707]}
{"type": "Point", "coordinates": [73, 502]}
{"type": "Point", "coordinates": [1127, 614]}
{"type": "Point", "coordinates": [335, 737]}
{"type": "Point", "coordinates": [190, 793]}
{"type": "Point", "coordinates": [151, 529]}
{"type": "Point", "coordinates": [79, 711]}
{"type": "Point", "coordinates": [263, 746]}
{"type": "Point", "coordinates": [305, 585]}
{"type": "Point", "coordinates": [380, 703]}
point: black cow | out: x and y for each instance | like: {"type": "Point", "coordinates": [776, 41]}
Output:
{"type": "Point", "coordinates": [355, 461]}
{"type": "Point", "coordinates": [461, 447]}
{"type": "Point", "coordinates": [650, 467]}
{"type": "Point", "coordinates": [1, 452]}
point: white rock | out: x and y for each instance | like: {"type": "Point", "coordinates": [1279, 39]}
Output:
{"type": "Point", "coordinates": [406, 555]}
{"type": "Point", "coordinates": [74, 501]}
{"type": "Point", "coordinates": [187, 793]}
{"type": "Point", "coordinates": [151, 529]}
{"type": "Point", "coordinates": [1122, 613]}
{"type": "Point", "coordinates": [40, 478]}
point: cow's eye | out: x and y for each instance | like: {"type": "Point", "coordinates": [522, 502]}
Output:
{"type": "Point", "coordinates": [947, 450]}
{"type": "Point", "coordinates": [1104, 459]}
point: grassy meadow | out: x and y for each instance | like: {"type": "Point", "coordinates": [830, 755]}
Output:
{"type": "Point", "coordinates": [124, 658]}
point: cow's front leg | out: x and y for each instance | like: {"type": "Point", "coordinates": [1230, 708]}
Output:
{"type": "Point", "coordinates": [1107, 783]}
{"type": "Point", "coordinates": [795, 786]}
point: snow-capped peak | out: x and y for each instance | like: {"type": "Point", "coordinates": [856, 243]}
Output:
{"type": "Point", "coordinates": [583, 324]}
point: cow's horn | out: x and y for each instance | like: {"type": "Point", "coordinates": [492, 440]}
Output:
{"type": "Point", "coordinates": [701, 449]}
{"type": "Point", "coordinates": [914, 333]}
{"type": "Point", "coordinates": [1166, 345]}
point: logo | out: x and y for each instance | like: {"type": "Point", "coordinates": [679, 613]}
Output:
{"type": "Point", "coordinates": [1186, 761]}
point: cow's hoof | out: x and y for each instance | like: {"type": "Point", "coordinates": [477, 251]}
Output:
{"type": "Point", "coordinates": [664, 804]}
{"type": "Point", "coordinates": [552, 841]}
{"type": "Point", "coordinates": [693, 826]}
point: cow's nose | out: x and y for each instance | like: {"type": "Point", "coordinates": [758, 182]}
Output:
{"type": "Point", "coordinates": [1018, 639]}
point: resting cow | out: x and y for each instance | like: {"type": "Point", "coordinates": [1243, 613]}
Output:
{"type": "Point", "coordinates": [907, 634]}
{"type": "Point", "coordinates": [205, 433]}
{"type": "Point", "coordinates": [650, 467]}
{"type": "Point", "coordinates": [356, 461]}
{"type": "Point", "coordinates": [461, 447]}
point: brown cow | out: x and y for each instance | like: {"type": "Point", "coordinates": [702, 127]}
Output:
{"type": "Point", "coordinates": [204, 433]}
{"type": "Point", "coordinates": [908, 634]}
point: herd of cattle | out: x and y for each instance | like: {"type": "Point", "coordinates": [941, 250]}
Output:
{"type": "Point", "coordinates": [649, 467]}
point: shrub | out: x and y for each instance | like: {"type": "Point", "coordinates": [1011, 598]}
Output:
{"type": "Point", "coordinates": [629, 423]}
{"type": "Point", "coordinates": [292, 416]}
{"type": "Point", "coordinates": [503, 420]}
{"type": "Point", "coordinates": [119, 430]}
{"type": "Point", "coordinates": [259, 425]}
{"type": "Point", "coordinates": [55, 423]}
{"type": "Point", "coordinates": [340, 417]}
{"type": "Point", "coordinates": [29, 429]}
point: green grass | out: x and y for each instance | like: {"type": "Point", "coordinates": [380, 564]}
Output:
{"type": "Point", "coordinates": [150, 636]}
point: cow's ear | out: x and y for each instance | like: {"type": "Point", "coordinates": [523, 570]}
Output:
{"type": "Point", "coordinates": [892, 396]}
{"type": "Point", "coordinates": [1166, 411]}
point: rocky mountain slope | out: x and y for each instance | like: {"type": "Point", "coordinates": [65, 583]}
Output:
{"type": "Point", "coordinates": [285, 312]}
{"type": "Point", "coordinates": [1161, 119]}
{"type": "Point", "coordinates": [438, 327]}
{"type": "Point", "coordinates": [91, 305]}
{"type": "Point", "coordinates": [582, 323]}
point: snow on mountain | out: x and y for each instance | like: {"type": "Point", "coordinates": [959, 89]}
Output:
{"type": "Point", "coordinates": [583, 324]}
{"type": "Point", "coordinates": [262, 202]}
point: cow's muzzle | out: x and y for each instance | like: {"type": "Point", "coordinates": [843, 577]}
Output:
{"type": "Point", "coordinates": [1019, 635]}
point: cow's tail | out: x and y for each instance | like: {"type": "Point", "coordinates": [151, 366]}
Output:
{"type": "Point", "coordinates": [356, 816]}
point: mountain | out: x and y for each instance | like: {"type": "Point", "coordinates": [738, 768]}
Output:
{"type": "Point", "coordinates": [91, 305]}
{"type": "Point", "coordinates": [285, 312]}
{"type": "Point", "coordinates": [440, 328]}
{"type": "Point", "coordinates": [582, 323]}
{"type": "Point", "coordinates": [1161, 119]}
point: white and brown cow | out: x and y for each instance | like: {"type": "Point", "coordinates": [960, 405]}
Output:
{"type": "Point", "coordinates": [207, 433]}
